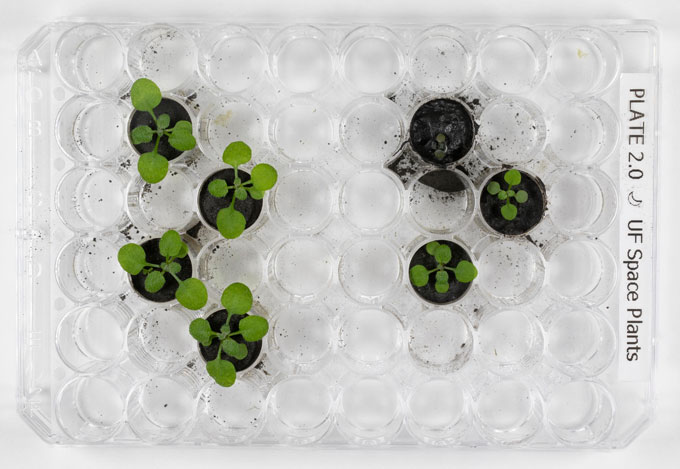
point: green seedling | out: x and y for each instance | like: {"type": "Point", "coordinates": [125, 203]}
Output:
{"type": "Point", "coordinates": [153, 166]}
{"type": "Point", "coordinates": [237, 299]}
{"type": "Point", "coordinates": [191, 292]}
{"type": "Point", "coordinates": [463, 272]}
{"type": "Point", "coordinates": [513, 178]}
{"type": "Point", "coordinates": [230, 222]}
{"type": "Point", "coordinates": [439, 146]}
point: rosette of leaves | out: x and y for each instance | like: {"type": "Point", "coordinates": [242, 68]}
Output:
{"type": "Point", "coordinates": [237, 299]}
{"type": "Point", "coordinates": [191, 293]}
{"type": "Point", "coordinates": [230, 222]}
{"type": "Point", "coordinates": [153, 166]}
{"type": "Point", "coordinates": [512, 177]}
{"type": "Point", "coordinates": [463, 272]}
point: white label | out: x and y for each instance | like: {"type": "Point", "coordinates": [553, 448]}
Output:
{"type": "Point", "coordinates": [636, 239]}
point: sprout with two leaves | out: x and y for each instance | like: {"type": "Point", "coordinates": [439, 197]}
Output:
{"type": "Point", "coordinates": [237, 299]}
{"type": "Point", "coordinates": [512, 177]}
{"type": "Point", "coordinates": [463, 272]}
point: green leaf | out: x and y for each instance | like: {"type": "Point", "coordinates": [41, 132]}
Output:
{"type": "Point", "coordinates": [163, 121]}
{"type": "Point", "coordinates": [502, 195]}
{"type": "Point", "coordinates": [512, 177]}
{"type": "Point", "coordinates": [441, 287]}
{"type": "Point", "coordinates": [253, 328]}
{"type": "Point", "coordinates": [152, 167]}
{"type": "Point", "coordinates": [521, 196]}
{"type": "Point", "coordinates": [509, 212]}
{"type": "Point", "coordinates": [236, 153]}
{"type": "Point", "coordinates": [237, 298]}
{"type": "Point", "coordinates": [154, 281]}
{"type": "Point", "coordinates": [418, 275]}
{"type": "Point", "coordinates": [230, 222]}
{"type": "Point", "coordinates": [439, 154]}
{"type": "Point", "coordinates": [493, 188]}
{"type": "Point", "coordinates": [222, 371]}
{"type": "Point", "coordinates": [132, 258]}
{"type": "Point", "coordinates": [440, 138]}
{"type": "Point", "coordinates": [181, 137]}
{"type": "Point", "coordinates": [465, 272]}
{"type": "Point", "coordinates": [442, 276]}
{"type": "Point", "coordinates": [218, 188]}
{"type": "Point", "coordinates": [201, 331]}
{"type": "Point", "coordinates": [263, 176]}
{"type": "Point", "coordinates": [241, 193]}
{"type": "Point", "coordinates": [145, 95]}
{"type": "Point", "coordinates": [192, 294]}
{"type": "Point", "coordinates": [255, 194]}
{"type": "Point", "coordinates": [183, 251]}
{"type": "Point", "coordinates": [170, 244]}
{"type": "Point", "coordinates": [431, 247]}
{"type": "Point", "coordinates": [141, 134]}
{"type": "Point", "coordinates": [511, 193]}
{"type": "Point", "coordinates": [235, 349]}
{"type": "Point", "coordinates": [173, 268]}
{"type": "Point", "coordinates": [442, 254]}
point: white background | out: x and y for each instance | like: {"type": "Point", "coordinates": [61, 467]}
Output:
{"type": "Point", "coordinates": [657, 447]}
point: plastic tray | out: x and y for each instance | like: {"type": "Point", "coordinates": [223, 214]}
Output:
{"type": "Point", "coordinates": [551, 347]}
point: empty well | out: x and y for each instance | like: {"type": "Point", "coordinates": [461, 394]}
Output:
{"type": "Point", "coordinates": [301, 59]}
{"type": "Point", "coordinates": [91, 58]}
{"type": "Point", "coordinates": [512, 60]}
{"type": "Point", "coordinates": [370, 270]}
{"type": "Point", "coordinates": [442, 201]}
{"type": "Point", "coordinates": [226, 261]}
{"type": "Point", "coordinates": [440, 341]}
{"type": "Point", "coordinates": [304, 199]}
{"type": "Point", "coordinates": [511, 130]}
{"type": "Point", "coordinates": [231, 120]}
{"type": "Point", "coordinates": [303, 267]}
{"type": "Point", "coordinates": [372, 129]}
{"type": "Point", "coordinates": [582, 268]}
{"type": "Point", "coordinates": [437, 412]}
{"type": "Point", "coordinates": [302, 337]}
{"type": "Point", "coordinates": [372, 59]}
{"type": "Point", "coordinates": [164, 54]}
{"type": "Point", "coordinates": [231, 59]}
{"type": "Point", "coordinates": [370, 201]}
{"type": "Point", "coordinates": [370, 411]}
{"type": "Point", "coordinates": [511, 272]}
{"type": "Point", "coordinates": [91, 338]}
{"type": "Point", "coordinates": [580, 413]}
{"type": "Point", "coordinates": [508, 411]}
{"type": "Point", "coordinates": [443, 59]}
{"type": "Point", "coordinates": [231, 415]}
{"type": "Point", "coordinates": [370, 339]}
{"type": "Point", "coordinates": [300, 410]}
{"type": "Point", "coordinates": [91, 199]}
{"type": "Point", "coordinates": [302, 130]}
{"type": "Point", "coordinates": [580, 341]}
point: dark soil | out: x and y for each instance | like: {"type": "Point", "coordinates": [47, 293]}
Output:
{"type": "Point", "coordinates": [456, 289]}
{"type": "Point", "coordinates": [210, 205]}
{"type": "Point", "coordinates": [529, 214]}
{"type": "Point", "coordinates": [168, 106]}
{"type": "Point", "coordinates": [217, 320]}
{"type": "Point", "coordinates": [443, 180]}
{"type": "Point", "coordinates": [448, 117]}
{"type": "Point", "coordinates": [167, 293]}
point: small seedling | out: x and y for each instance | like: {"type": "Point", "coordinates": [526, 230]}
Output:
{"type": "Point", "coordinates": [191, 292]}
{"type": "Point", "coordinates": [513, 178]}
{"type": "Point", "coordinates": [237, 299]}
{"type": "Point", "coordinates": [230, 222]}
{"type": "Point", "coordinates": [439, 146]}
{"type": "Point", "coordinates": [153, 166]}
{"type": "Point", "coordinates": [464, 272]}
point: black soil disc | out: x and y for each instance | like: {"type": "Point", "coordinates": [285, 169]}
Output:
{"type": "Point", "coordinates": [456, 289]}
{"type": "Point", "coordinates": [443, 180]}
{"type": "Point", "coordinates": [167, 293]}
{"type": "Point", "coordinates": [210, 205]}
{"type": "Point", "coordinates": [529, 214]}
{"type": "Point", "coordinates": [448, 117]}
{"type": "Point", "coordinates": [168, 106]}
{"type": "Point", "coordinates": [216, 321]}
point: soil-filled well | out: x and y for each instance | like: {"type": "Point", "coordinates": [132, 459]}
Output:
{"type": "Point", "coordinates": [154, 256]}
{"type": "Point", "coordinates": [210, 205]}
{"type": "Point", "coordinates": [456, 289]}
{"type": "Point", "coordinates": [216, 321]}
{"type": "Point", "coordinates": [177, 113]}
